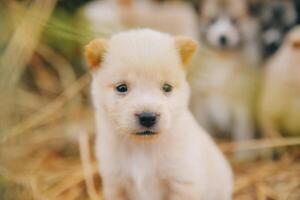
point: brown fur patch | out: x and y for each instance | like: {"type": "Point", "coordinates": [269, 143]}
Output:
{"type": "Point", "coordinates": [94, 52]}
{"type": "Point", "coordinates": [186, 47]}
{"type": "Point", "coordinates": [294, 37]}
{"type": "Point", "coordinates": [296, 44]}
{"type": "Point", "coordinates": [125, 3]}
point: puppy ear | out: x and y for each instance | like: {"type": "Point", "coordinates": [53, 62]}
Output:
{"type": "Point", "coordinates": [94, 52]}
{"type": "Point", "coordinates": [197, 5]}
{"type": "Point", "coordinates": [125, 3]}
{"type": "Point", "coordinates": [294, 38]}
{"type": "Point", "coordinates": [186, 47]}
{"type": "Point", "coordinates": [255, 7]}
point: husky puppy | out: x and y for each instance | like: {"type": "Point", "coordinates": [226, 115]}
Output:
{"type": "Point", "coordinates": [277, 18]}
{"type": "Point", "coordinates": [148, 144]}
{"type": "Point", "coordinates": [280, 102]}
{"type": "Point", "coordinates": [223, 84]}
{"type": "Point", "coordinates": [228, 25]}
{"type": "Point", "coordinates": [297, 7]}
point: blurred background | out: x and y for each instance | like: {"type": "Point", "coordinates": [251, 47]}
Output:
{"type": "Point", "coordinates": [245, 82]}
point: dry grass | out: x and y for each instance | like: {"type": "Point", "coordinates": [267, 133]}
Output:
{"type": "Point", "coordinates": [57, 162]}
{"type": "Point", "coordinates": [46, 125]}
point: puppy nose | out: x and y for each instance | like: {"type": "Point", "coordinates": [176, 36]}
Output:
{"type": "Point", "coordinates": [147, 119]}
{"type": "Point", "coordinates": [271, 48]}
{"type": "Point", "coordinates": [223, 40]}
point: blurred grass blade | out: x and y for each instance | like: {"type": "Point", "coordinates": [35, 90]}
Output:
{"type": "Point", "coordinates": [23, 43]}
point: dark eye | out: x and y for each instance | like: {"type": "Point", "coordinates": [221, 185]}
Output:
{"type": "Point", "coordinates": [234, 21]}
{"type": "Point", "coordinates": [167, 88]}
{"type": "Point", "coordinates": [122, 88]}
{"type": "Point", "coordinates": [213, 20]}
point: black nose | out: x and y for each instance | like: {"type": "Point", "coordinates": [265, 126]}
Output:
{"type": "Point", "coordinates": [223, 40]}
{"type": "Point", "coordinates": [271, 48]}
{"type": "Point", "coordinates": [147, 119]}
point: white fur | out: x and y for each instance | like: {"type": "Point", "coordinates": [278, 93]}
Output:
{"type": "Point", "coordinates": [279, 105]}
{"type": "Point", "coordinates": [230, 19]}
{"type": "Point", "coordinates": [104, 17]}
{"type": "Point", "coordinates": [109, 16]}
{"type": "Point", "coordinates": [176, 18]}
{"type": "Point", "coordinates": [222, 98]}
{"type": "Point", "coordinates": [271, 35]}
{"type": "Point", "coordinates": [223, 27]}
{"type": "Point", "coordinates": [182, 162]}
{"type": "Point", "coordinates": [223, 80]}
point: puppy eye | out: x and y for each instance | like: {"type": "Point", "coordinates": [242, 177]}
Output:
{"type": "Point", "coordinates": [234, 21]}
{"type": "Point", "coordinates": [213, 20]}
{"type": "Point", "coordinates": [167, 88]}
{"type": "Point", "coordinates": [122, 88]}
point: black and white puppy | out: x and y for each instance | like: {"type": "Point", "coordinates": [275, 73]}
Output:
{"type": "Point", "coordinates": [277, 18]}
{"type": "Point", "coordinates": [227, 25]}
{"type": "Point", "coordinates": [223, 82]}
{"type": "Point", "coordinates": [297, 6]}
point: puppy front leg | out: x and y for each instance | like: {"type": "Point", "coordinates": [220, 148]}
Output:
{"type": "Point", "coordinates": [183, 191]}
{"type": "Point", "coordinates": [269, 129]}
{"type": "Point", "coordinates": [243, 124]}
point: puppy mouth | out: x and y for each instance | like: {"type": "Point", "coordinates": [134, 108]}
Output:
{"type": "Point", "coordinates": [146, 133]}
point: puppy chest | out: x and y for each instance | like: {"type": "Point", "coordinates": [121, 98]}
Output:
{"type": "Point", "coordinates": [143, 180]}
{"type": "Point", "coordinates": [219, 78]}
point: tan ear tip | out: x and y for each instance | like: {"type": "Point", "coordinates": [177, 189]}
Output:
{"type": "Point", "coordinates": [93, 52]}
{"type": "Point", "coordinates": [186, 46]}
{"type": "Point", "coordinates": [96, 44]}
{"type": "Point", "coordinates": [295, 41]}
{"type": "Point", "coordinates": [125, 2]}
{"type": "Point", "coordinates": [294, 37]}
{"type": "Point", "coordinates": [187, 43]}
{"type": "Point", "coordinates": [187, 40]}
{"type": "Point", "coordinates": [296, 44]}
{"type": "Point", "coordinates": [91, 58]}
{"type": "Point", "coordinates": [193, 44]}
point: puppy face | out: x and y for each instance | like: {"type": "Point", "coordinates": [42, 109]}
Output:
{"type": "Point", "coordinates": [140, 84]}
{"type": "Point", "coordinates": [277, 18]}
{"type": "Point", "coordinates": [221, 22]}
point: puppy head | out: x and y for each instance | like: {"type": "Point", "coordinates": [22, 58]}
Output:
{"type": "Point", "coordinates": [139, 80]}
{"type": "Point", "coordinates": [221, 21]}
{"type": "Point", "coordinates": [277, 18]}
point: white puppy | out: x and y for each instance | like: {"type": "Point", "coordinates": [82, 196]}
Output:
{"type": "Point", "coordinates": [149, 146]}
{"type": "Point", "coordinates": [109, 16]}
{"type": "Point", "coordinates": [279, 106]}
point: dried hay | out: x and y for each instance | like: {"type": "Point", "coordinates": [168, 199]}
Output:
{"type": "Point", "coordinates": [58, 163]}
